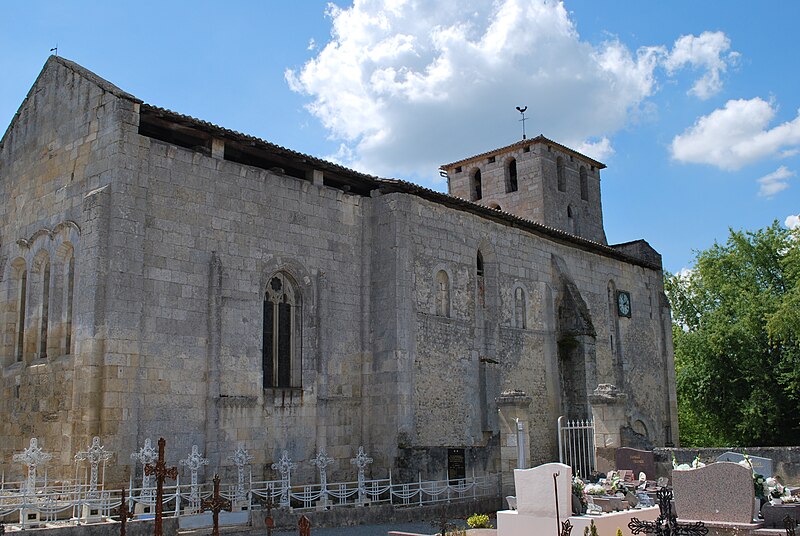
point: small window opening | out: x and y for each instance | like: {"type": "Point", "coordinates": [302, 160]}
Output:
{"type": "Point", "coordinates": [21, 306]}
{"type": "Point", "coordinates": [479, 271]}
{"type": "Point", "coordinates": [477, 190]}
{"type": "Point", "coordinates": [562, 182]}
{"type": "Point", "coordinates": [511, 185]}
{"type": "Point", "coordinates": [442, 294]}
{"type": "Point", "coordinates": [527, 149]}
{"type": "Point", "coordinates": [70, 287]}
{"type": "Point", "coordinates": [491, 160]}
{"type": "Point", "coordinates": [520, 309]}
{"type": "Point", "coordinates": [459, 169]}
{"type": "Point", "coordinates": [584, 184]}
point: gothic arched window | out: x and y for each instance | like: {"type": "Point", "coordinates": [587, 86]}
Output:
{"type": "Point", "coordinates": [442, 294]}
{"type": "Point", "coordinates": [584, 184]}
{"type": "Point", "coordinates": [19, 329]}
{"type": "Point", "coordinates": [562, 181]}
{"type": "Point", "coordinates": [520, 309]}
{"type": "Point", "coordinates": [511, 170]}
{"type": "Point", "coordinates": [281, 352]}
{"type": "Point", "coordinates": [69, 289]}
{"type": "Point", "coordinates": [45, 309]}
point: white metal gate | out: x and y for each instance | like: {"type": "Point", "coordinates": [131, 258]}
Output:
{"type": "Point", "coordinates": [576, 445]}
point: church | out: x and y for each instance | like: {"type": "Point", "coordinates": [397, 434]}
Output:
{"type": "Point", "coordinates": [164, 276]}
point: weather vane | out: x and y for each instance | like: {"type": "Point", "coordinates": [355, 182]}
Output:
{"type": "Point", "coordinates": [522, 111]}
{"type": "Point", "coordinates": [55, 49]}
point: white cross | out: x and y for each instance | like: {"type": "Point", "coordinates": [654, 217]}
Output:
{"type": "Point", "coordinates": [361, 460]}
{"type": "Point", "coordinates": [32, 456]}
{"type": "Point", "coordinates": [240, 458]}
{"type": "Point", "coordinates": [322, 460]}
{"type": "Point", "coordinates": [194, 462]}
{"type": "Point", "coordinates": [95, 454]}
{"type": "Point", "coordinates": [146, 455]}
{"type": "Point", "coordinates": [284, 466]}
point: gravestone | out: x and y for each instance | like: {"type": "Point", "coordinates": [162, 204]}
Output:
{"type": "Point", "coordinates": [636, 460]}
{"type": "Point", "coordinates": [540, 510]}
{"type": "Point", "coordinates": [717, 492]}
{"type": "Point", "coordinates": [536, 490]}
{"type": "Point", "coordinates": [456, 464]}
{"type": "Point", "coordinates": [762, 466]}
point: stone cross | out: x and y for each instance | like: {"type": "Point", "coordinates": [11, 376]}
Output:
{"type": "Point", "coordinates": [33, 456]}
{"type": "Point", "coordinates": [322, 461]}
{"type": "Point", "coordinates": [146, 455]}
{"type": "Point", "coordinates": [240, 458]}
{"type": "Point", "coordinates": [216, 504]}
{"type": "Point", "coordinates": [95, 454]}
{"type": "Point", "coordinates": [284, 466]}
{"type": "Point", "coordinates": [161, 471]}
{"type": "Point", "coordinates": [304, 526]}
{"type": "Point", "coordinates": [124, 514]}
{"type": "Point", "coordinates": [666, 524]}
{"type": "Point", "coordinates": [361, 460]}
{"type": "Point", "coordinates": [194, 462]}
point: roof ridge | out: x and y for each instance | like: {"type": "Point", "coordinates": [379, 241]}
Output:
{"type": "Point", "coordinates": [92, 77]}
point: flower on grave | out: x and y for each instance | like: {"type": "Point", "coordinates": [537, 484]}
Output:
{"type": "Point", "coordinates": [696, 463]}
{"type": "Point", "coordinates": [595, 489]}
{"type": "Point", "coordinates": [759, 482]}
{"type": "Point", "coordinates": [679, 467]}
{"type": "Point", "coordinates": [579, 490]}
{"type": "Point", "coordinates": [774, 488]}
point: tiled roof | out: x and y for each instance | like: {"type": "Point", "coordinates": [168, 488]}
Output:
{"type": "Point", "coordinates": [522, 143]}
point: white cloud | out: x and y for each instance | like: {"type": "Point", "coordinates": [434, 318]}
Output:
{"type": "Point", "coordinates": [710, 51]}
{"type": "Point", "coordinates": [408, 85]}
{"type": "Point", "coordinates": [312, 44]}
{"type": "Point", "coordinates": [736, 135]}
{"type": "Point", "coordinates": [793, 221]}
{"type": "Point", "coordinates": [775, 182]}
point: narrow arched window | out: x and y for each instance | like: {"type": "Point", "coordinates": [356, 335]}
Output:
{"type": "Point", "coordinates": [570, 219]}
{"type": "Point", "coordinates": [584, 184]}
{"type": "Point", "coordinates": [511, 171]}
{"type": "Point", "coordinates": [69, 289]}
{"type": "Point", "coordinates": [520, 309]}
{"type": "Point", "coordinates": [281, 351]}
{"type": "Point", "coordinates": [19, 335]}
{"type": "Point", "coordinates": [45, 309]}
{"type": "Point", "coordinates": [477, 187]}
{"type": "Point", "coordinates": [442, 294]}
{"type": "Point", "coordinates": [562, 181]}
{"type": "Point", "coordinates": [479, 272]}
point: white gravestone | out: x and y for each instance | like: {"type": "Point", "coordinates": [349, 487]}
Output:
{"type": "Point", "coordinates": [536, 501]}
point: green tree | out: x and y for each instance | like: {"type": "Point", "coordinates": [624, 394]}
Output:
{"type": "Point", "coordinates": [736, 331]}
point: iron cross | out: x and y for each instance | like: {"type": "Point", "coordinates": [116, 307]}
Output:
{"type": "Point", "coordinates": [161, 472]}
{"type": "Point", "coordinates": [124, 514]}
{"type": "Point", "coordinates": [216, 504]}
{"type": "Point", "coordinates": [666, 524]}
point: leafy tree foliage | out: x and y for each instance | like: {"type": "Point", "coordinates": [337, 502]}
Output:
{"type": "Point", "coordinates": [736, 331]}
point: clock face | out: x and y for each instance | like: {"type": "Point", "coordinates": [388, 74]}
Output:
{"type": "Point", "coordinates": [624, 303]}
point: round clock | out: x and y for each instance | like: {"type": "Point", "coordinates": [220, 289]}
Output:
{"type": "Point", "coordinates": [624, 304]}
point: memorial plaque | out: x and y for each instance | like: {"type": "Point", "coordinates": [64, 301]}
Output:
{"type": "Point", "coordinates": [762, 466]}
{"type": "Point", "coordinates": [636, 460]}
{"type": "Point", "coordinates": [456, 464]}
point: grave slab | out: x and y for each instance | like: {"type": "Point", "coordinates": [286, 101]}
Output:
{"type": "Point", "coordinates": [720, 491]}
{"type": "Point", "coordinates": [536, 504]}
{"type": "Point", "coordinates": [636, 460]}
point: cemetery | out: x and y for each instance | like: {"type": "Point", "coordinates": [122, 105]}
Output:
{"type": "Point", "coordinates": [732, 493]}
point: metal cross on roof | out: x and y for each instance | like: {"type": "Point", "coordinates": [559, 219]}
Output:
{"type": "Point", "coordinates": [161, 471]}
{"type": "Point", "coordinates": [95, 454]}
{"type": "Point", "coordinates": [33, 456]}
{"type": "Point", "coordinates": [666, 524]}
{"type": "Point", "coordinates": [216, 504]}
{"type": "Point", "coordinates": [240, 458]}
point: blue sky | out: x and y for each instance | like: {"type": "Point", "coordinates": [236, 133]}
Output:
{"type": "Point", "coordinates": [692, 105]}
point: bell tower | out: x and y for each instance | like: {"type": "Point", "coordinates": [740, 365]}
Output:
{"type": "Point", "coordinates": [538, 180]}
